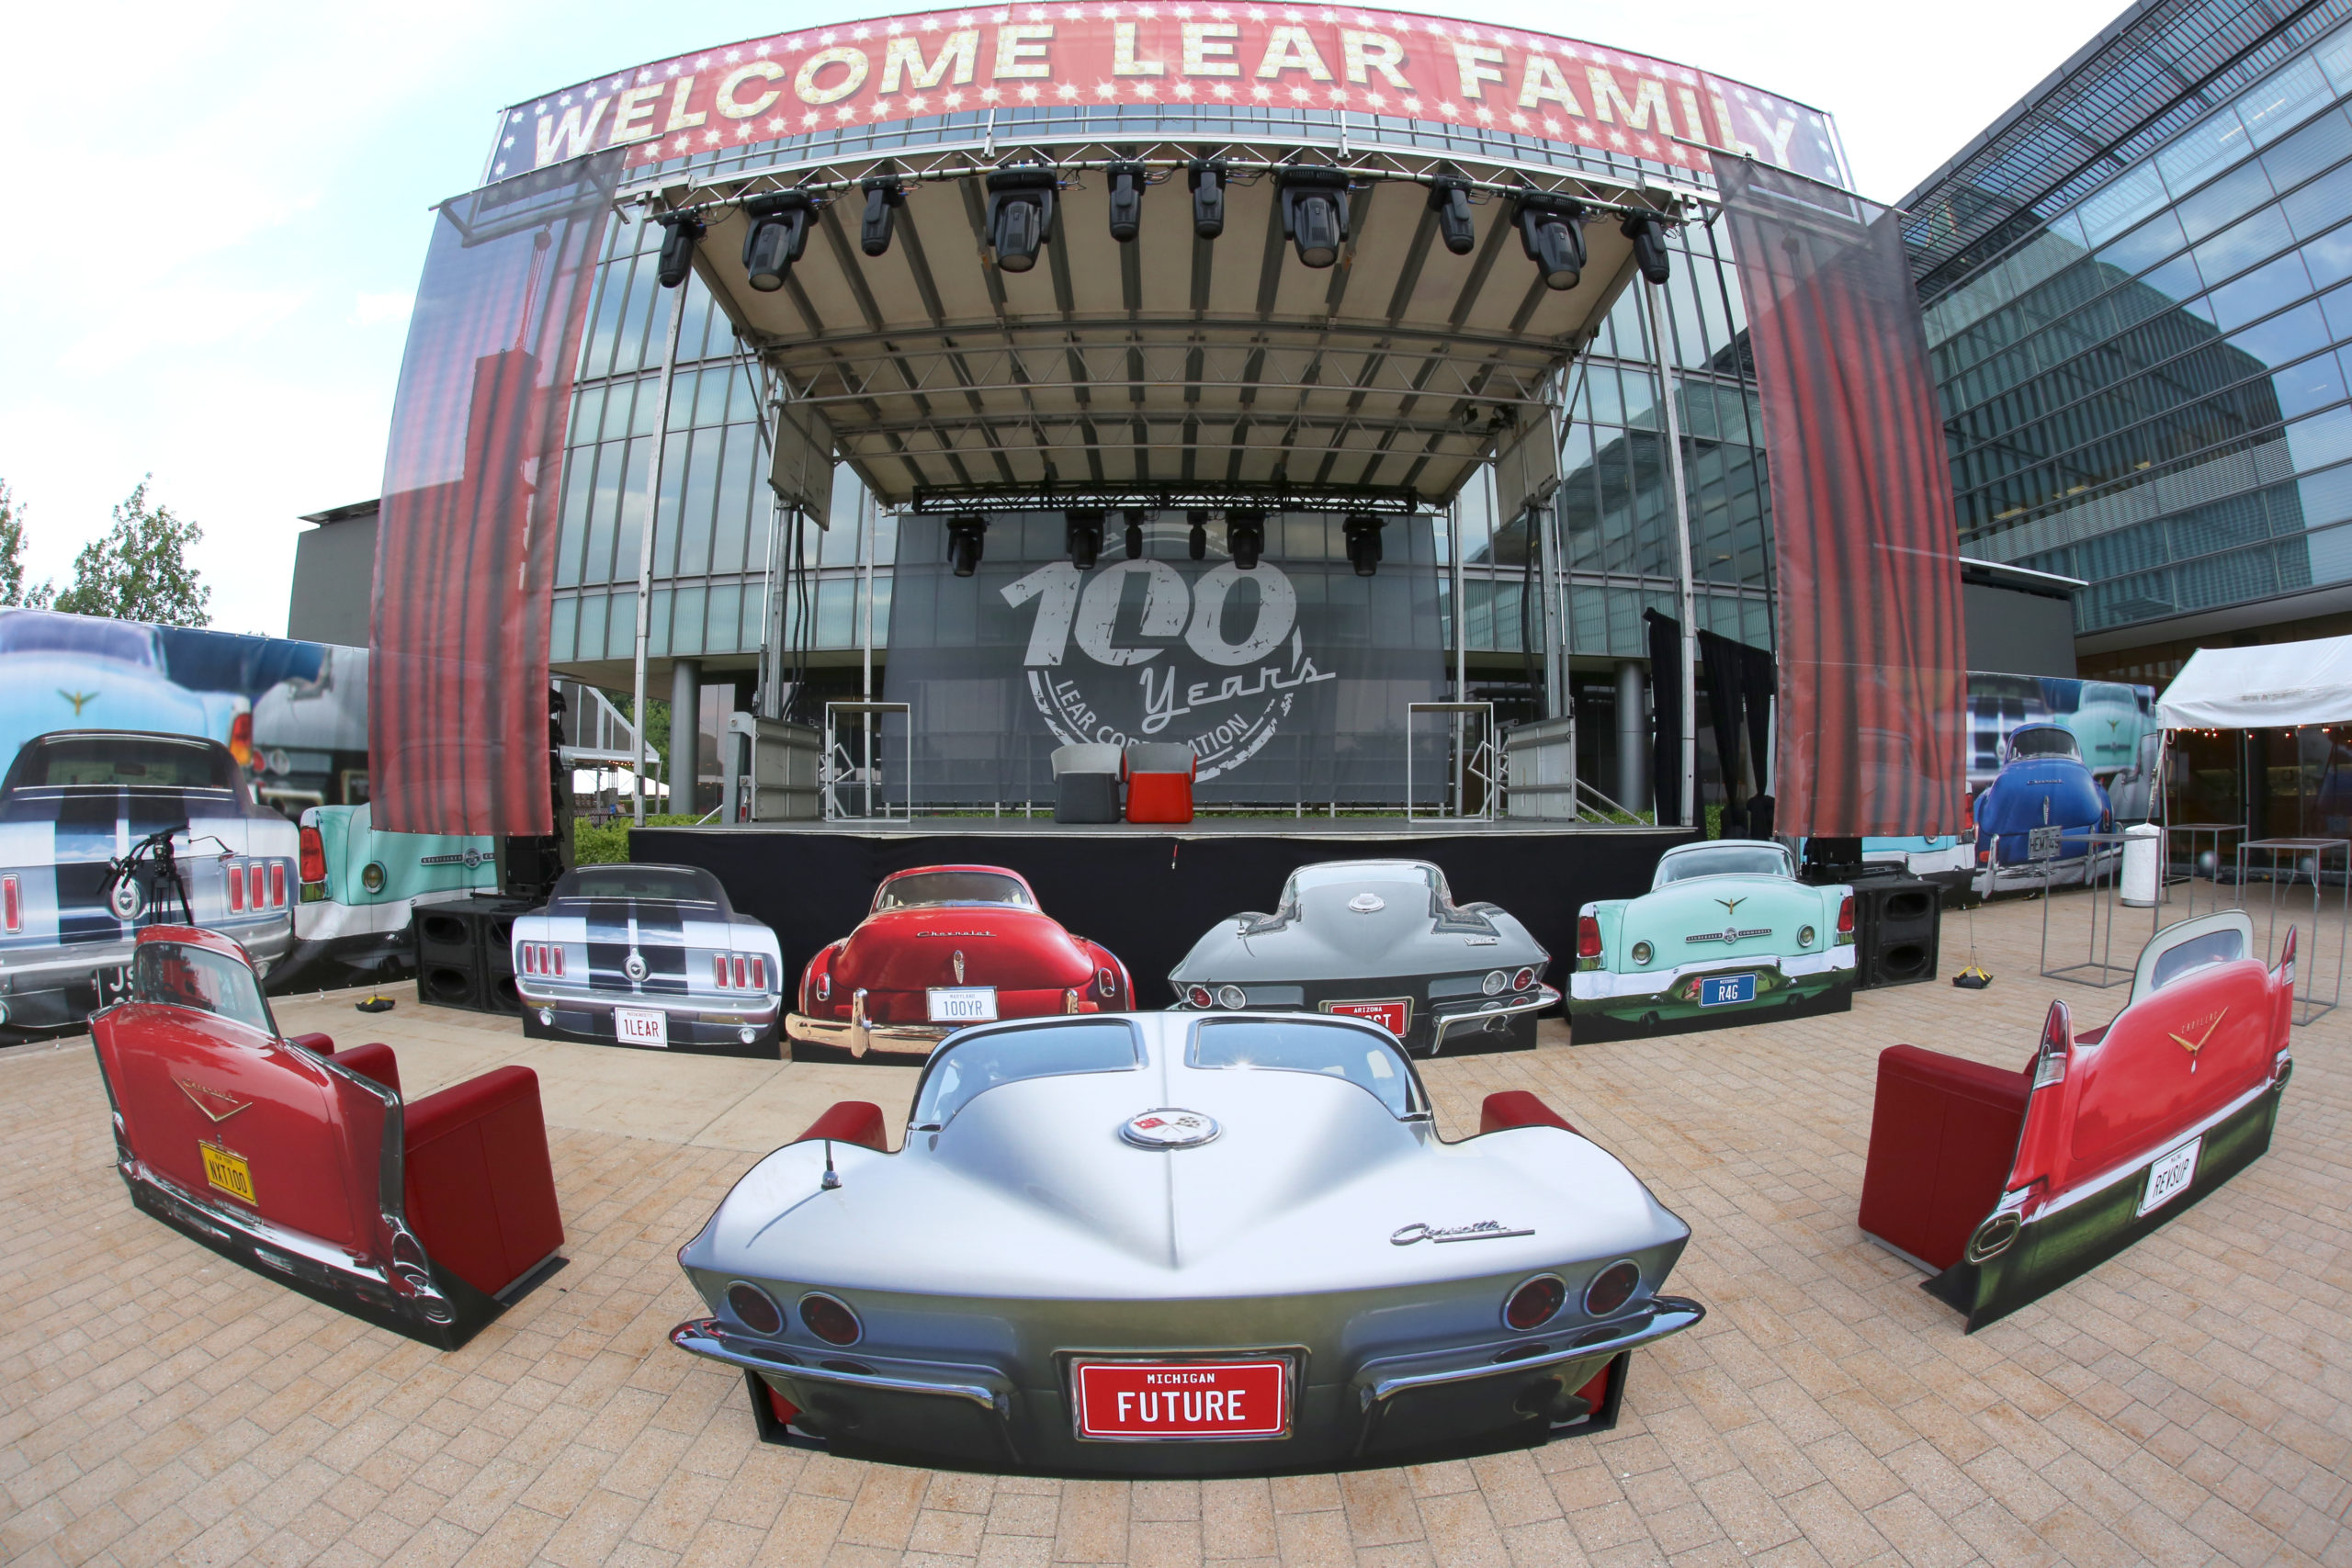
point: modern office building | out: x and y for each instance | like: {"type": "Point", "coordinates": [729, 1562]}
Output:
{"type": "Point", "coordinates": [2136, 297]}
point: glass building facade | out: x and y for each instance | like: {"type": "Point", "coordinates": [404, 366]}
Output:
{"type": "Point", "coordinates": [2138, 297]}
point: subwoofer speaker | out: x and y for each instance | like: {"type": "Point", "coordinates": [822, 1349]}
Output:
{"type": "Point", "coordinates": [465, 956]}
{"type": "Point", "coordinates": [1897, 923]}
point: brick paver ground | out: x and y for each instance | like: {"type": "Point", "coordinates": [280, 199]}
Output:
{"type": "Point", "coordinates": [2189, 1402]}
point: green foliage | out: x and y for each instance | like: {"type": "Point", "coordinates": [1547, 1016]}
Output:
{"type": "Point", "coordinates": [138, 569]}
{"type": "Point", "coordinates": [607, 844]}
{"type": "Point", "coordinates": [12, 557]}
{"type": "Point", "coordinates": [657, 723]}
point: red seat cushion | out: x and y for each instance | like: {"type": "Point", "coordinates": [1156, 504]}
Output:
{"type": "Point", "coordinates": [373, 1060]}
{"type": "Point", "coordinates": [481, 1187]}
{"type": "Point", "coordinates": [323, 1044]}
{"type": "Point", "coordinates": [851, 1121]}
{"type": "Point", "coordinates": [1159, 797]}
{"type": "Point", "coordinates": [1518, 1108]}
{"type": "Point", "coordinates": [1943, 1139]}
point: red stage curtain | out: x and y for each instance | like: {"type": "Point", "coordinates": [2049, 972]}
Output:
{"type": "Point", "coordinates": [457, 689]}
{"type": "Point", "coordinates": [1865, 541]}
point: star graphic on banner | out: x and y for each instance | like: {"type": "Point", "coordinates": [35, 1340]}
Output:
{"type": "Point", "coordinates": [733, 55]}
{"type": "Point", "coordinates": [882, 110]}
{"type": "Point", "coordinates": [991, 96]}
{"type": "Point", "coordinates": [1073, 12]}
{"type": "Point", "coordinates": [1551, 128]}
{"type": "Point", "coordinates": [861, 33]}
{"type": "Point", "coordinates": [1520, 122]}
{"type": "Point", "coordinates": [1616, 138]}
{"type": "Point", "coordinates": [1182, 89]}
{"type": "Point", "coordinates": [953, 98]}
{"type": "Point", "coordinates": [565, 100]}
{"type": "Point", "coordinates": [1262, 93]}
{"type": "Point", "coordinates": [1486, 114]}
{"type": "Point", "coordinates": [1028, 93]}
{"type": "Point", "coordinates": [1649, 146]}
{"type": "Point", "coordinates": [672, 69]}
{"type": "Point", "coordinates": [746, 131]}
{"type": "Point", "coordinates": [1446, 109]}
{"type": "Point", "coordinates": [809, 119]}
{"type": "Point", "coordinates": [931, 23]}
{"type": "Point", "coordinates": [779, 126]}
{"type": "Point", "coordinates": [1106, 90]}
{"type": "Point", "coordinates": [1376, 102]}
{"type": "Point", "coordinates": [1339, 98]}
{"type": "Point", "coordinates": [711, 136]}
{"type": "Point", "coordinates": [1223, 89]}
{"type": "Point", "coordinates": [1065, 91]}
{"type": "Point", "coordinates": [847, 113]}
{"type": "Point", "coordinates": [509, 143]}
{"type": "Point", "coordinates": [500, 170]}
{"type": "Point", "coordinates": [703, 63]}
{"type": "Point", "coordinates": [1257, 13]}
{"type": "Point", "coordinates": [1410, 104]}
{"type": "Point", "coordinates": [1300, 95]}
{"type": "Point", "coordinates": [1146, 90]}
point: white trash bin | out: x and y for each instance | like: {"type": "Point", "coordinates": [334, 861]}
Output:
{"type": "Point", "coordinates": [2143, 860]}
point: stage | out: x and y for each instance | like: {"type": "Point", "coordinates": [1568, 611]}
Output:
{"type": "Point", "coordinates": [1147, 892]}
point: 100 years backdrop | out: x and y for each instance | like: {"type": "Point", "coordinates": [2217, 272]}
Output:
{"type": "Point", "coordinates": [1288, 681]}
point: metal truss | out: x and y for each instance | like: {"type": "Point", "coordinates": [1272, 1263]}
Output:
{"type": "Point", "coordinates": [1389, 503]}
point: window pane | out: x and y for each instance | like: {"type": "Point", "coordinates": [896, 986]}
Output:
{"type": "Point", "coordinates": [563, 628]}
{"type": "Point", "coordinates": [2330, 256]}
{"type": "Point", "coordinates": [2261, 291]}
{"type": "Point", "coordinates": [735, 498]}
{"type": "Point", "coordinates": [2321, 144]}
{"type": "Point", "coordinates": [2283, 339]}
{"type": "Point", "coordinates": [620, 629]}
{"type": "Point", "coordinates": [2224, 201]}
{"type": "Point", "coordinates": [722, 627]}
{"type": "Point", "coordinates": [2313, 384]}
{"type": "Point", "coordinates": [2321, 204]}
{"type": "Point", "coordinates": [685, 623]}
{"type": "Point", "coordinates": [2254, 239]}
{"type": "Point", "coordinates": [2203, 151]}
{"type": "Point", "coordinates": [2284, 101]}
{"type": "Point", "coordinates": [2143, 247]}
{"type": "Point", "coordinates": [2121, 204]}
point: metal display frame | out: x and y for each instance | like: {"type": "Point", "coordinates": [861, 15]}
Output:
{"type": "Point", "coordinates": [2308, 1007]}
{"type": "Point", "coordinates": [2213, 830]}
{"type": "Point", "coordinates": [2098, 868]}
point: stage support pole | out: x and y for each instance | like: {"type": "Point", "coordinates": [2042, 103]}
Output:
{"type": "Point", "coordinates": [686, 733]}
{"type": "Point", "coordinates": [1689, 599]}
{"type": "Point", "coordinates": [866, 513]}
{"type": "Point", "coordinates": [645, 554]}
{"type": "Point", "coordinates": [1461, 656]}
{"type": "Point", "coordinates": [1633, 733]}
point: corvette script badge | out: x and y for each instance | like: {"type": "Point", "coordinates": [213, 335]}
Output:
{"type": "Point", "coordinates": [1478, 1230]}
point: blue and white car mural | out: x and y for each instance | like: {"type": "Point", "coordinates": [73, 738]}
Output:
{"type": "Point", "coordinates": [2043, 792]}
{"type": "Point", "coordinates": [60, 672]}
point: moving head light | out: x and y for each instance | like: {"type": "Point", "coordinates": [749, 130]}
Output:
{"type": "Point", "coordinates": [1650, 254]}
{"type": "Point", "coordinates": [1020, 208]}
{"type": "Point", "coordinates": [1450, 199]}
{"type": "Point", "coordinates": [1135, 516]}
{"type": "Point", "coordinates": [1245, 536]}
{"type": "Point", "coordinates": [682, 229]}
{"type": "Point", "coordinates": [1361, 532]}
{"type": "Point", "coordinates": [966, 533]}
{"type": "Point", "coordinates": [884, 194]}
{"type": "Point", "coordinates": [778, 233]}
{"type": "Point", "coordinates": [1197, 543]}
{"type": "Point", "coordinates": [1127, 201]}
{"type": "Point", "coordinates": [1206, 177]}
{"type": "Point", "coordinates": [1315, 213]}
{"type": "Point", "coordinates": [1551, 230]}
{"type": "Point", "coordinates": [1085, 535]}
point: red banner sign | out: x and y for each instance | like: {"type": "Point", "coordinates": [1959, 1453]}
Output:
{"type": "Point", "coordinates": [1321, 57]}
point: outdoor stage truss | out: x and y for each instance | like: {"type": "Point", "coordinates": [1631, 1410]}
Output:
{"type": "Point", "coordinates": [1168, 371]}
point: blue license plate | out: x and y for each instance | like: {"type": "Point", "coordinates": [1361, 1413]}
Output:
{"type": "Point", "coordinates": [1723, 990]}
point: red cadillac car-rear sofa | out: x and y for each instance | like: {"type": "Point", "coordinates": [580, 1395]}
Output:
{"type": "Point", "coordinates": [306, 1164]}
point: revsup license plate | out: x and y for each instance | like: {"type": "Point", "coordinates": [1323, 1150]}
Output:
{"type": "Point", "coordinates": [962, 1004]}
{"type": "Point", "coordinates": [1722, 990]}
{"type": "Point", "coordinates": [2170, 1176]}
{"type": "Point", "coordinates": [1143, 1401]}
{"type": "Point", "coordinates": [230, 1172]}
{"type": "Point", "coordinates": [642, 1026]}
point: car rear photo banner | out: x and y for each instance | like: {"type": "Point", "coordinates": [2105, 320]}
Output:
{"type": "Point", "coordinates": [1872, 666]}
{"type": "Point", "coordinates": [465, 552]}
{"type": "Point", "coordinates": [1289, 681]}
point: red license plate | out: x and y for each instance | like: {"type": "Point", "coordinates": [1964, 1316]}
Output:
{"type": "Point", "coordinates": [1393, 1016]}
{"type": "Point", "coordinates": [1182, 1399]}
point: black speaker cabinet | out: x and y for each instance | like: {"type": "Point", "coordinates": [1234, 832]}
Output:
{"type": "Point", "coordinates": [1897, 923]}
{"type": "Point", "coordinates": [465, 954]}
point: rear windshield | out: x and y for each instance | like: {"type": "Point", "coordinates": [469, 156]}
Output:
{"type": "Point", "coordinates": [679, 884]}
{"type": "Point", "coordinates": [1337, 1050]}
{"type": "Point", "coordinates": [2044, 743]}
{"type": "Point", "coordinates": [970, 1067]}
{"type": "Point", "coordinates": [952, 887]}
{"type": "Point", "coordinates": [39, 633]}
{"type": "Point", "coordinates": [176, 974]}
{"type": "Point", "coordinates": [2226, 946]}
{"type": "Point", "coordinates": [148, 761]}
{"type": "Point", "coordinates": [1742, 860]}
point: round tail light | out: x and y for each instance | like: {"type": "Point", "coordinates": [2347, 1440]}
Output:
{"type": "Point", "coordinates": [1642, 953]}
{"type": "Point", "coordinates": [1232, 997]}
{"type": "Point", "coordinates": [828, 1320]}
{"type": "Point", "coordinates": [1201, 997]}
{"type": "Point", "coordinates": [1532, 1304]}
{"type": "Point", "coordinates": [755, 1308]}
{"type": "Point", "coordinates": [1612, 1288]}
{"type": "Point", "coordinates": [1495, 982]}
{"type": "Point", "coordinates": [1523, 980]}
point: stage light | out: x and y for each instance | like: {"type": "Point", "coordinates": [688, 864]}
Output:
{"type": "Point", "coordinates": [884, 196]}
{"type": "Point", "coordinates": [1135, 533]}
{"type": "Point", "coordinates": [1020, 208]}
{"type": "Point", "coordinates": [677, 246]}
{"type": "Point", "coordinates": [1196, 544]}
{"type": "Point", "coordinates": [1450, 199]}
{"type": "Point", "coordinates": [1551, 230]}
{"type": "Point", "coordinates": [1085, 538]}
{"type": "Point", "coordinates": [1127, 201]}
{"type": "Point", "coordinates": [1315, 213]}
{"type": "Point", "coordinates": [779, 233]}
{"type": "Point", "coordinates": [1361, 532]}
{"type": "Point", "coordinates": [1649, 247]}
{"type": "Point", "coordinates": [1245, 536]}
{"type": "Point", "coordinates": [1206, 177]}
{"type": "Point", "coordinates": [967, 531]}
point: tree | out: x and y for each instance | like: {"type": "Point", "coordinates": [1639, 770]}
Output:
{"type": "Point", "coordinates": [139, 571]}
{"type": "Point", "coordinates": [12, 557]}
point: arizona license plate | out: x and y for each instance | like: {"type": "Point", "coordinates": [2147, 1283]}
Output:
{"type": "Point", "coordinates": [1723, 990]}
{"type": "Point", "coordinates": [2170, 1176]}
{"type": "Point", "coordinates": [962, 1004]}
{"type": "Point", "coordinates": [230, 1173]}
{"type": "Point", "coordinates": [642, 1026]}
{"type": "Point", "coordinates": [1395, 1017]}
{"type": "Point", "coordinates": [1142, 1400]}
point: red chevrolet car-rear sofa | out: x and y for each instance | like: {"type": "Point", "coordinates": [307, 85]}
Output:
{"type": "Point", "coordinates": [306, 1164]}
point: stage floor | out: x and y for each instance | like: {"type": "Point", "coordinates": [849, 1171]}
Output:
{"type": "Point", "coordinates": [2184, 1402]}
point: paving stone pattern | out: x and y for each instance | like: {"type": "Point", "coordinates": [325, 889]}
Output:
{"type": "Point", "coordinates": [2191, 1402]}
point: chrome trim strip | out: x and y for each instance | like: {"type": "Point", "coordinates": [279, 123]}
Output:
{"type": "Point", "coordinates": [1668, 1316]}
{"type": "Point", "coordinates": [859, 1037]}
{"type": "Point", "coordinates": [1544, 997]}
{"type": "Point", "coordinates": [2137, 1163]}
{"type": "Point", "coordinates": [692, 1003]}
{"type": "Point", "coordinates": [707, 1337]}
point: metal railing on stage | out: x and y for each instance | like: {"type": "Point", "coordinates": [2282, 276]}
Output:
{"type": "Point", "coordinates": [1471, 769]}
{"type": "Point", "coordinates": [860, 774]}
{"type": "Point", "coordinates": [2307, 1006]}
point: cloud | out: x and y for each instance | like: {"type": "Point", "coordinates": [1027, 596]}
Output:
{"type": "Point", "coordinates": [382, 309]}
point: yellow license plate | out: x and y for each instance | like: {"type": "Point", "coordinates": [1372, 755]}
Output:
{"type": "Point", "coordinates": [227, 1171]}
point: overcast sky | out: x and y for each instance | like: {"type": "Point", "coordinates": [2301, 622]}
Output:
{"type": "Point", "coordinates": [220, 209]}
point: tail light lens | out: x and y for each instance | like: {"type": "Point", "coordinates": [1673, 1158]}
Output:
{"type": "Point", "coordinates": [314, 856]}
{"type": "Point", "coordinates": [743, 972]}
{"type": "Point", "coordinates": [1523, 980]}
{"type": "Point", "coordinates": [1232, 997]}
{"type": "Point", "coordinates": [1588, 937]}
{"type": "Point", "coordinates": [1846, 916]}
{"type": "Point", "coordinates": [278, 885]}
{"type": "Point", "coordinates": [1532, 1304]}
{"type": "Point", "coordinates": [1200, 997]}
{"type": "Point", "coordinates": [759, 973]}
{"type": "Point", "coordinates": [556, 953]}
{"type": "Point", "coordinates": [830, 1320]}
{"type": "Point", "coordinates": [236, 888]}
{"type": "Point", "coordinates": [240, 739]}
{"type": "Point", "coordinates": [1612, 1288]}
{"type": "Point", "coordinates": [252, 883]}
{"type": "Point", "coordinates": [1106, 983]}
{"type": "Point", "coordinates": [824, 984]}
{"type": "Point", "coordinates": [756, 1308]}
{"type": "Point", "coordinates": [12, 905]}
{"type": "Point", "coordinates": [530, 958]}
{"type": "Point", "coordinates": [718, 970]}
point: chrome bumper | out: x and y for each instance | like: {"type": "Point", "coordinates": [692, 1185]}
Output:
{"type": "Point", "coordinates": [709, 1337]}
{"type": "Point", "coordinates": [55, 968]}
{"type": "Point", "coordinates": [714, 1009]}
{"type": "Point", "coordinates": [1470, 1020]}
{"type": "Point", "coordinates": [859, 1037]}
{"type": "Point", "coordinates": [1664, 1315]}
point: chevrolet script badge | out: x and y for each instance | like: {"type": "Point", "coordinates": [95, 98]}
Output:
{"type": "Point", "coordinates": [1168, 1128]}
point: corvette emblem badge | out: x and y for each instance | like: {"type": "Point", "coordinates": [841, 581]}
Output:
{"type": "Point", "coordinates": [1169, 1128]}
{"type": "Point", "coordinates": [959, 965]}
{"type": "Point", "coordinates": [213, 1103]}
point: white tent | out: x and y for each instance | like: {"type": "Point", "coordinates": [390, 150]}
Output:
{"type": "Point", "coordinates": [595, 781]}
{"type": "Point", "coordinates": [2275, 686]}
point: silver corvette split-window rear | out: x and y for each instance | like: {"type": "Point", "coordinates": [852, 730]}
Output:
{"type": "Point", "coordinates": [977, 1063]}
{"type": "Point", "coordinates": [1304, 1046]}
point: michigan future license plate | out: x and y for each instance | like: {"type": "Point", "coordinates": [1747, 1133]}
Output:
{"type": "Point", "coordinates": [642, 1026]}
{"type": "Point", "coordinates": [962, 1004]}
{"type": "Point", "coordinates": [227, 1171]}
{"type": "Point", "coordinates": [1182, 1399]}
{"type": "Point", "coordinates": [1393, 1016]}
{"type": "Point", "coordinates": [1723, 989]}
{"type": "Point", "coordinates": [2170, 1176]}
